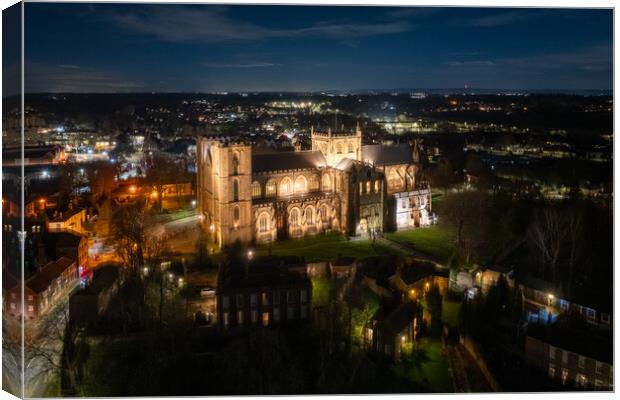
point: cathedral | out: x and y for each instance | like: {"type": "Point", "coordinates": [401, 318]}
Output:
{"type": "Point", "coordinates": [339, 185]}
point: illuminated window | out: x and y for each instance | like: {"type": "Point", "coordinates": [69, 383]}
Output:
{"type": "Point", "coordinates": [564, 376]}
{"type": "Point", "coordinates": [350, 148]}
{"type": "Point", "coordinates": [309, 215]}
{"type": "Point", "coordinates": [235, 190]}
{"type": "Point", "coordinates": [30, 308]}
{"type": "Point", "coordinates": [265, 319]}
{"type": "Point", "coordinates": [368, 187]}
{"type": "Point", "coordinates": [377, 186]}
{"type": "Point", "coordinates": [285, 186]}
{"type": "Point", "coordinates": [339, 148]}
{"type": "Point", "coordinates": [225, 320]}
{"type": "Point", "coordinates": [313, 183]}
{"type": "Point", "coordinates": [263, 223]}
{"type": "Point", "coordinates": [270, 188]}
{"type": "Point", "coordinates": [551, 372]}
{"type": "Point", "coordinates": [240, 317]}
{"type": "Point", "coordinates": [236, 214]}
{"type": "Point", "coordinates": [294, 218]}
{"type": "Point", "coordinates": [256, 190]}
{"type": "Point", "coordinates": [300, 184]}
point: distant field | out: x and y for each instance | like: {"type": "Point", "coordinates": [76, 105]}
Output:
{"type": "Point", "coordinates": [435, 241]}
{"type": "Point", "coordinates": [325, 247]}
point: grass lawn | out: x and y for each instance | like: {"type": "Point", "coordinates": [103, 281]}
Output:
{"type": "Point", "coordinates": [436, 241]}
{"type": "Point", "coordinates": [433, 371]}
{"type": "Point", "coordinates": [449, 312]}
{"type": "Point", "coordinates": [325, 247]}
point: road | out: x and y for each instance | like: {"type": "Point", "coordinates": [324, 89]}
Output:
{"type": "Point", "coordinates": [466, 374]}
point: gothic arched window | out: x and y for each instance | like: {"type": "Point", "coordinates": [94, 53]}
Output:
{"type": "Point", "coordinates": [270, 188]}
{"type": "Point", "coordinates": [256, 189]}
{"type": "Point", "coordinates": [294, 217]}
{"type": "Point", "coordinates": [235, 190]}
{"type": "Point", "coordinates": [235, 163]}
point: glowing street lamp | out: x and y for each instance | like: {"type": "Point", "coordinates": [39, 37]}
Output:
{"type": "Point", "coordinates": [132, 188]}
{"type": "Point", "coordinates": [250, 255]}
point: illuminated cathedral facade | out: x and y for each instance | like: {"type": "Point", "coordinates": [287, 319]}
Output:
{"type": "Point", "coordinates": [339, 185]}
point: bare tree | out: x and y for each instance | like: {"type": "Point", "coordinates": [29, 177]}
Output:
{"type": "Point", "coordinates": [129, 227]}
{"type": "Point", "coordinates": [547, 234]}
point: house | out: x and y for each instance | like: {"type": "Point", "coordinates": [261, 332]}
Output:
{"type": "Point", "coordinates": [389, 330]}
{"type": "Point", "coordinates": [44, 290]}
{"type": "Point", "coordinates": [486, 277]}
{"type": "Point", "coordinates": [575, 356]}
{"type": "Point", "coordinates": [69, 221]}
{"type": "Point", "coordinates": [254, 296]}
{"type": "Point", "coordinates": [70, 244]}
{"type": "Point", "coordinates": [418, 277]}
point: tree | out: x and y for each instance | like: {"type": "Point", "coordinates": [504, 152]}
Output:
{"type": "Point", "coordinates": [160, 172]}
{"type": "Point", "coordinates": [129, 227]}
{"type": "Point", "coordinates": [434, 304]}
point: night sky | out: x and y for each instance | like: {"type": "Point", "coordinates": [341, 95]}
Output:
{"type": "Point", "coordinates": [205, 48]}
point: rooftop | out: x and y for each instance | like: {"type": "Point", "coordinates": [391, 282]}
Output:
{"type": "Point", "coordinates": [282, 161]}
{"type": "Point", "coordinates": [379, 154]}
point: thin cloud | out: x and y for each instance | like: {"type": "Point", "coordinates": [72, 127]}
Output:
{"type": "Point", "coordinates": [241, 65]}
{"type": "Point", "coordinates": [41, 77]}
{"type": "Point", "coordinates": [507, 18]}
{"type": "Point", "coordinates": [180, 24]}
{"type": "Point", "coordinates": [475, 63]}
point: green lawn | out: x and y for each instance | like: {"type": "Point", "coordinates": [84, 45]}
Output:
{"type": "Point", "coordinates": [325, 247]}
{"type": "Point", "coordinates": [432, 372]}
{"type": "Point", "coordinates": [435, 241]}
{"type": "Point", "coordinates": [450, 312]}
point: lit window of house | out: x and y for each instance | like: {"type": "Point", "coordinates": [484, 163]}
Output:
{"type": "Point", "coordinates": [551, 371]}
{"type": "Point", "coordinates": [376, 186]}
{"type": "Point", "coordinates": [265, 319]}
{"type": "Point", "coordinates": [12, 306]}
{"type": "Point", "coordinates": [240, 317]}
{"type": "Point", "coordinates": [30, 308]}
{"type": "Point", "coordinates": [582, 381]}
{"type": "Point", "coordinates": [564, 376]}
{"type": "Point", "coordinates": [225, 320]}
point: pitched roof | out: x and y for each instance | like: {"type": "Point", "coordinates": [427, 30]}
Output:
{"type": "Point", "coordinates": [48, 274]}
{"type": "Point", "coordinates": [287, 160]}
{"type": "Point", "coordinates": [379, 154]}
{"type": "Point", "coordinates": [398, 319]}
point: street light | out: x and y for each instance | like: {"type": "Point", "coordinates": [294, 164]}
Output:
{"type": "Point", "coordinates": [250, 255]}
{"type": "Point", "coordinates": [193, 203]}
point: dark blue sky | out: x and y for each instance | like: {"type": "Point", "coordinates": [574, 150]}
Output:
{"type": "Point", "coordinates": [133, 47]}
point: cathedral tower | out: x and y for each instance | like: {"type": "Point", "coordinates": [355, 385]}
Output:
{"type": "Point", "coordinates": [338, 146]}
{"type": "Point", "coordinates": [225, 198]}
